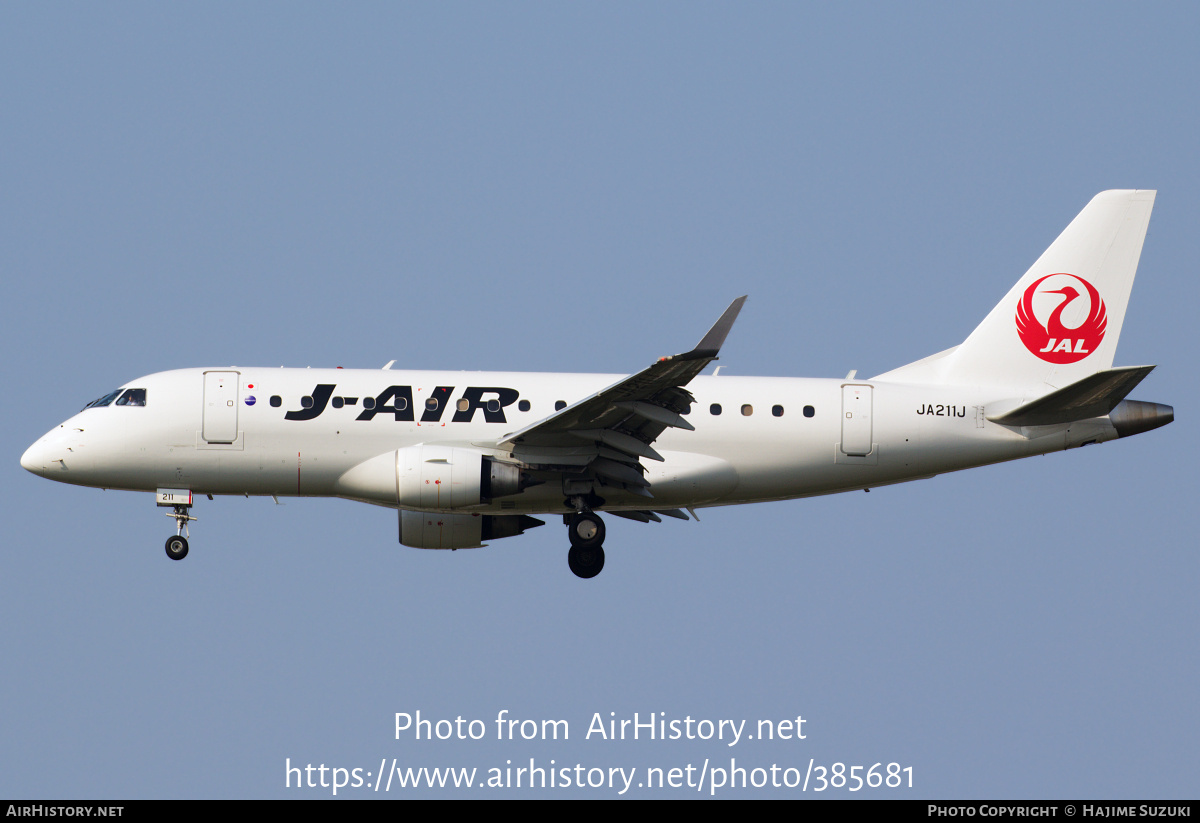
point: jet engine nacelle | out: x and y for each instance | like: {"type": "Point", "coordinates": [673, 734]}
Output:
{"type": "Point", "coordinates": [438, 530]}
{"type": "Point", "coordinates": [442, 478]}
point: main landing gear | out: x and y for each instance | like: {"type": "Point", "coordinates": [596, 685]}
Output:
{"type": "Point", "coordinates": [177, 545]}
{"type": "Point", "coordinates": [586, 557]}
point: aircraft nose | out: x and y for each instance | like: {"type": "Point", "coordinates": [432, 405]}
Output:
{"type": "Point", "coordinates": [33, 460]}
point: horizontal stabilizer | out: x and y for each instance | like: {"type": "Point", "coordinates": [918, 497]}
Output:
{"type": "Point", "coordinates": [1093, 396]}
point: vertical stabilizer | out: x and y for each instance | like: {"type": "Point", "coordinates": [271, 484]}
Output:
{"type": "Point", "coordinates": [1061, 321]}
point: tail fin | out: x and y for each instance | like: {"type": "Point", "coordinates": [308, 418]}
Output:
{"type": "Point", "coordinates": [1060, 322]}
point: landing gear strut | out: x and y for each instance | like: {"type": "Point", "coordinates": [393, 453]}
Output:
{"type": "Point", "coordinates": [586, 556]}
{"type": "Point", "coordinates": [177, 546]}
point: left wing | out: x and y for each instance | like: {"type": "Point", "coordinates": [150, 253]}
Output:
{"type": "Point", "coordinates": [606, 435]}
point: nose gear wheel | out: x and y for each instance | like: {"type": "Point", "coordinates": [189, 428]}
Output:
{"type": "Point", "coordinates": [177, 545]}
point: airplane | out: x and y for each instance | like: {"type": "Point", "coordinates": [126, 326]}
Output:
{"type": "Point", "coordinates": [470, 457]}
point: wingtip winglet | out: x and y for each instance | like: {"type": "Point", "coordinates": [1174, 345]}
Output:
{"type": "Point", "coordinates": [711, 344]}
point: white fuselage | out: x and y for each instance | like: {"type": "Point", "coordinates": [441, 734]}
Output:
{"type": "Point", "coordinates": [468, 457]}
{"type": "Point", "coordinates": [774, 438]}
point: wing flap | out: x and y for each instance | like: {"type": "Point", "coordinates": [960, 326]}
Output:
{"type": "Point", "coordinates": [659, 414]}
{"type": "Point", "coordinates": [645, 516]}
{"type": "Point", "coordinates": [648, 516]}
{"type": "Point", "coordinates": [619, 441]}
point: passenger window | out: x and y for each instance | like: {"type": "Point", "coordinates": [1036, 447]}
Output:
{"type": "Point", "coordinates": [431, 404]}
{"type": "Point", "coordinates": [523, 405]}
{"type": "Point", "coordinates": [715, 408]}
{"type": "Point", "coordinates": [559, 405]}
{"type": "Point", "coordinates": [747, 410]}
{"type": "Point", "coordinates": [276, 401]}
{"type": "Point", "coordinates": [133, 397]}
{"type": "Point", "coordinates": [368, 403]}
{"type": "Point", "coordinates": [777, 411]}
{"type": "Point", "coordinates": [809, 411]}
{"type": "Point", "coordinates": [464, 404]}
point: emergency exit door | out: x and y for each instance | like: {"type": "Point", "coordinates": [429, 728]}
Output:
{"type": "Point", "coordinates": [220, 406]}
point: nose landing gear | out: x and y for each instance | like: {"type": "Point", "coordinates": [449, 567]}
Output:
{"type": "Point", "coordinates": [180, 500]}
{"type": "Point", "coordinates": [177, 546]}
{"type": "Point", "coordinates": [586, 556]}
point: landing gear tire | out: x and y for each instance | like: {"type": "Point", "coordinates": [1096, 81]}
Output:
{"type": "Point", "coordinates": [586, 531]}
{"type": "Point", "coordinates": [586, 563]}
{"type": "Point", "coordinates": [177, 547]}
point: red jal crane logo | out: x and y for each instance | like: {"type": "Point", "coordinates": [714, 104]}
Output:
{"type": "Point", "coordinates": [1055, 342]}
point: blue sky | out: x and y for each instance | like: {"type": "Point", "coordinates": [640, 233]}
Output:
{"type": "Point", "coordinates": [584, 187]}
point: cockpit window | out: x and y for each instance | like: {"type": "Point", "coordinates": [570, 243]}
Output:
{"type": "Point", "coordinates": [103, 401]}
{"type": "Point", "coordinates": [133, 397]}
